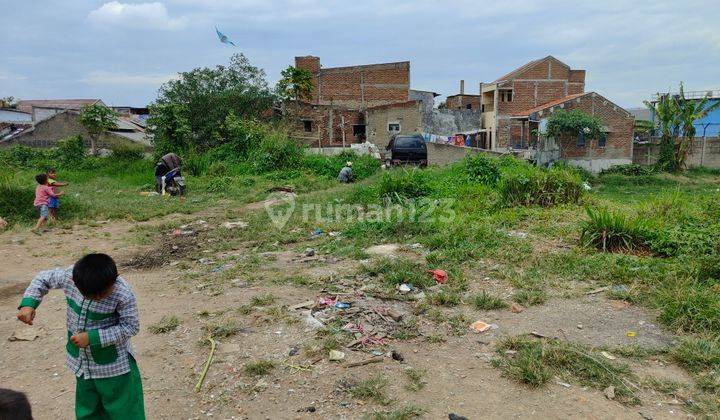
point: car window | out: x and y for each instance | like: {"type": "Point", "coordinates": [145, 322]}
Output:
{"type": "Point", "coordinates": [406, 142]}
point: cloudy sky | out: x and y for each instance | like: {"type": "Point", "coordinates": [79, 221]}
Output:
{"type": "Point", "coordinates": [121, 51]}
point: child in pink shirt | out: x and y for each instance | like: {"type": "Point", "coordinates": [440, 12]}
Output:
{"type": "Point", "coordinates": [43, 193]}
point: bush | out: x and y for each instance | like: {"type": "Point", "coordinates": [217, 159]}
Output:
{"type": "Point", "coordinates": [631, 169]}
{"type": "Point", "coordinates": [403, 184]}
{"type": "Point", "coordinates": [329, 166]}
{"type": "Point", "coordinates": [16, 200]}
{"type": "Point", "coordinates": [482, 168]}
{"type": "Point", "coordinates": [71, 150]}
{"type": "Point", "coordinates": [544, 187]}
{"type": "Point", "coordinates": [126, 152]}
{"type": "Point", "coordinates": [611, 231]}
{"type": "Point", "coordinates": [276, 152]}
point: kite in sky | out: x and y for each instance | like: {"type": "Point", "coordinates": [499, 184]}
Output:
{"type": "Point", "coordinates": [223, 38]}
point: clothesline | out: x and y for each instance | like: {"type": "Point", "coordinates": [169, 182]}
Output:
{"type": "Point", "coordinates": [457, 139]}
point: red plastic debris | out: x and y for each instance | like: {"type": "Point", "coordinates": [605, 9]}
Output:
{"type": "Point", "coordinates": [440, 276]}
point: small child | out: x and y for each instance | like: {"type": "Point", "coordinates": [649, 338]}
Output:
{"type": "Point", "coordinates": [54, 202]}
{"type": "Point", "coordinates": [43, 193]}
{"type": "Point", "coordinates": [101, 317]}
{"type": "Point", "coordinates": [14, 405]}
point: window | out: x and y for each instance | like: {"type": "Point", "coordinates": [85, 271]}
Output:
{"type": "Point", "coordinates": [468, 106]}
{"type": "Point", "coordinates": [506, 95]}
{"type": "Point", "coordinates": [358, 130]}
{"type": "Point", "coordinates": [602, 140]}
{"type": "Point", "coordinates": [307, 126]}
{"type": "Point", "coordinates": [482, 108]}
{"type": "Point", "coordinates": [581, 140]}
{"type": "Point", "coordinates": [394, 127]}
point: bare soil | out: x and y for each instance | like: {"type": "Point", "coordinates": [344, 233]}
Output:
{"type": "Point", "coordinates": [459, 377]}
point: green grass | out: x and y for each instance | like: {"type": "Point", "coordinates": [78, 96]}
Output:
{"type": "Point", "coordinates": [372, 389]}
{"type": "Point", "coordinates": [698, 353]}
{"type": "Point", "coordinates": [415, 379]}
{"type": "Point", "coordinates": [530, 297]}
{"type": "Point", "coordinates": [259, 367]}
{"type": "Point", "coordinates": [485, 301]}
{"type": "Point", "coordinates": [263, 300]}
{"type": "Point", "coordinates": [536, 362]}
{"type": "Point", "coordinates": [405, 413]}
{"type": "Point", "coordinates": [166, 324]}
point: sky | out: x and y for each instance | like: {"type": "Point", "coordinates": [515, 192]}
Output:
{"type": "Point", "coordinates": [122, 51]}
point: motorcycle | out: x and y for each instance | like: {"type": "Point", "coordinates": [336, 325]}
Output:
{"type": "Point", "coordinates": [172, 183]}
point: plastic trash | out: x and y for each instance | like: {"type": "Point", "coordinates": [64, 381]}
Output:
{"type": "Point", "coordinates": [481, 326]}
{"type": "Point", "coordinates": [342, 305]}
{"type": "Point", "coordinates": [620, 288]}
{"type": "Point", "coordinates": [404, 288]}
{"type": "Point", "coordinates": [440, 276]}
{"type": "Point", "coordinates": [335, 355]}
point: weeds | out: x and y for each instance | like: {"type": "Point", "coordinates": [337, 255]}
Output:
{"type": "Point", "coordinates": [259, 367]}
{"type": "Point", "coordinates": [415, 379]}
{"type": "Point", "coordinates": [530, 297]}
{"type": "Point", "coordinates": [166, 324]}
{"type": "Point", "coordinates": [613, 231]}
{"type": "Point", "coordinates": [535, 362]}
{"type": "Point", "coordinates": [485, 301]}
{"type": "Point", "coordinates": [698, 353]}
{"type": "Point", "coordinates": [263, 300]}
{"type": "Point", "coordinates": [406, 413]}
{"type": "Point", "coordinates": [372, 389]}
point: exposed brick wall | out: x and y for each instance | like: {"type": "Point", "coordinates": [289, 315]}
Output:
{"type": "Point", "coordinates": [327, 125]}
{"type": "Point", "coordinates": [462, 101]}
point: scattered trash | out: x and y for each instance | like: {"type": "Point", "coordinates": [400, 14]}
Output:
{"type": "Point", "coordinates": [376, 359]}
{"type": "Point", "coordinates": [609, 392]}
{"type": "Point", "coordinates": [517, 234]}
{"type": "Point", "coordinates": [440, 276]}
{"type": "Point", "coordinates": [309, 409]}
{"type": "Point", "coordinates": [142, 193]}
{"type": "Point", "coordinates": [312, 322]}
{"type": "Point", "coordinates": [334, 234]}
{"type": "Point", "coordinates": [404, 288]}
{"type": "Point", "coordinates": [234, 225]}
{"type": "Point", "coordinates": [586, 186]}
{"type": "Point", "coordinates": [608, 355]}
{"type": "Point", "coordinates": [335, 355]}
{"type": "Point", "coordinates": [453, 416]}
{"type": "Point", "coordinates": [631, 333]}
{"type": "Point", "coordinates": [180, 232]}
{"type": "Point", "coordinates": [480, 326]}
{"type": "Point", "coordinates": [397, 356]}
{"type": "Point", "coordinates": [200, 381]}
{"type": "Point", "coordinates": [306, 304]}
{"type": "Point", "coordinates": [25, 334]}
{"type": "Point", "coordinates": [395, 314]}
{"type": "Point", "coordinates": [205, 261]}
{"type": "Point", "coordinates": [294, 350]}
{"type": "Point", "coordinates": [598, 290]}
{"type": "Point", "coordinates": [384, 249]}
{"type": "Point", "coordinates": [516, 308]}
{"type": "Point", "coordinates": [317, 232]}
{"type": "Point", "coordinates": [579, 326]}
{"type": "Point", "coordinates": [565, 384]}
{"type": "Point", "coordinates": [620, 288]}
{"type": "Point", "coordinates": [342, 305]}
{"type": "Point", "coordinates": [309, 252]}
{"type": "Point", "coordinates": [239, 283]}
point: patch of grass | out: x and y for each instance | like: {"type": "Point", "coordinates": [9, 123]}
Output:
{"type": "Point", "coordinates": [436, 316]}
{"type": "Point", "coordinates": [708, 381]}
{"type": "Point", "coordinates": [662, 385]}
{"type": "Point", "coordinates": [530, 297]}
{"type": "Point", "coordinates": [444, 298]}
{"type": "Point", "coordinates": [528, 185]}
{"type": "Point", "coordinates": [223, 329]}
{"type": "Point", "coordinates": [459, 324]}
{"type": "Point", "coordinates": [246, 309]}
{"type": "Point", "coordinates": [263, 300]}
{"type": "Point", "coordinates": [281, 314]}
{"type": "Point", "coordinates": [166, 324]}
{"type": "Point", "coordinates": [405, 413]}
{"type": "Point", "coordinates": [485, 301]}
{"type": "Point", "coordinates": [698, 353]}
{"type": "Point", "coordinates": [259, 367]}
{"type": "Point", "coordinates": [408, 329]}
{"type": "Point", "coordinates": [415, 379]}
{"type": "Point", "coordinates": [396, 271]}
{"type": "Point", "coordinates": [614, 231]}
{"type": "Point", "coordinates": [372, 389]}
{"type": "Point", "coordinates": [535, 362]}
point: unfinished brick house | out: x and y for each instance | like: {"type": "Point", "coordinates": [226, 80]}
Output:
{"type": "Point", "coordinates": [516, 104]}
{"type": "Point", "coordinates": [334, 116]}
{"type": "Point", "coordinates": [463, 100]}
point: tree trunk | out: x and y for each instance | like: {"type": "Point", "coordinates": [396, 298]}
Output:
{"type": "Point", "coordinates": [93, 145]}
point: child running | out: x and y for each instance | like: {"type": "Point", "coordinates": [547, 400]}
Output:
{"type": "Point", "coordinates": [101, 317]}
{"type": "Point", "coordinates": [43, 193]}
{"type": "Point", "coordinates": [54, 202]}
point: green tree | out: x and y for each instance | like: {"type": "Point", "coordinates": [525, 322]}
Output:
{"type": "Point", "coordinates": [296, 84]}
{"type": "Point", "coordinates": [97, 119]}
{"type": "Point", "coordinates": [8, 102]}
{"type": "Point", "coordinates": [190, 111]}
{"type": "Point", "coordinates": [573, 122]}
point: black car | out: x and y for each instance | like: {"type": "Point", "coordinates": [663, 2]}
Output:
{"type": "Point", "coordinates": [408, 149]}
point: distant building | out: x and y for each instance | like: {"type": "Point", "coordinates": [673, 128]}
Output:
{"type": "Point", "coordinates": [463, 100]}
{"type": "Point", "coordinates": [45, 108]}
{"type": "Point", "coordinates": [704, 127]}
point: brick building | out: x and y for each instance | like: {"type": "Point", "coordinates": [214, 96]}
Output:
{"type": "Point", "coordinates": [335, 115]}
{"type": "Point", "coordinates": [514, 105]}
{"type": "Point", "coordinates": [463, 100]}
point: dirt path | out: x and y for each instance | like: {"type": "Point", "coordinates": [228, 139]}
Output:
{"type": "Point", "coordinates": [459, 376]}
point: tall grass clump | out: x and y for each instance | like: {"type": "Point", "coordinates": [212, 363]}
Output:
{"type": "Point", "coordinates": [613, 231]}
{"type": "Point", "coordinates": [482, 168]}
{"type": "Point", "coordinates": [400, 184]}
{"type": "Point", "coordinates": [527, 186]}
{"type": "Point", "coordinates": [329, 166]}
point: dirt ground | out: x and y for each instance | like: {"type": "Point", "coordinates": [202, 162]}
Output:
{"type": "Point", "coordinates": [459, 378]}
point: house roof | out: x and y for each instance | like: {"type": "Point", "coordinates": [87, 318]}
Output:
{"type": "Point", "coordinates": [524, 67]}
{"type": "Point", "coordinates": [550, 104]}
{"type": "Point", "coordinates": [27, 105]}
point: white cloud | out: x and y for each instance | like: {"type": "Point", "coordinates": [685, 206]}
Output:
{"type": "Point", "coordinates": [108, 78]}
{"type": "Point", "coordinates": [141, 15]}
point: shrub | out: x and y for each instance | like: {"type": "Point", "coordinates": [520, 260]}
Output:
{"type": "Point", "coordinates": [482, 168]}
{"type": "Point", "coordinates": [631, 169]}
{"type": "Point", "coordinates": [403, 184]}
{"type": "Point", "coordinates": [612, 231]}
{"type": "Point", "coordinates": [126, 152]}
{"type": "Point", "coordinates": [276, 152]}
{"type": "Point", "coordinates": [544, 187]}
{"type": "Point", "coordinates": [71, 150]}
{"type": "Point", "coordinates": [329, 166]}
{"type": "Point", "coordinates": [16, 200]}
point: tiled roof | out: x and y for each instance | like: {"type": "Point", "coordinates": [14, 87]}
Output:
{"type": "Point", "coordinates": [27, 105]}
{"type": "Point", "coordinates": [550, 104]}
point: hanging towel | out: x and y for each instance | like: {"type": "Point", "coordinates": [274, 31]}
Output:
{"type": "Point", "coordinates": [468, 140]}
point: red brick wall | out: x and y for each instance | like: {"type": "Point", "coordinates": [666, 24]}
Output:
{"type": "Point", "coordinates": [358, 87]}
{"type": "Point", "coordinates": [327, 127]}
{"type": "Point", "coordinates": [461, 101]}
